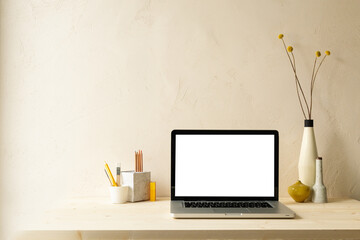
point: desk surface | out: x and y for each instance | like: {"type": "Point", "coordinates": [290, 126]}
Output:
{"type": "Point", "coordinates": [339, 216]}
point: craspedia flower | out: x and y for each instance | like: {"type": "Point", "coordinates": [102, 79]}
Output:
{"type": "Point", "coordinates": [290, 49]}
{"type": "Point", "coordinates": [318, 54]}
{"type": "Point", "coordinates": [281, 36]}
{"type": "Point", "coordinates": [327, 53]}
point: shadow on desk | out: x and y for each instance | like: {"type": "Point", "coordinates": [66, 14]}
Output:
{"type": "Point", "coordinates": [291, 203]}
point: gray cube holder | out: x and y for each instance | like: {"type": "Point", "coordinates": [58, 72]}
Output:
{"type": "Point", "coordinates": [139, 185]}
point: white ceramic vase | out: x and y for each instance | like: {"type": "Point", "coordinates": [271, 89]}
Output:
{"type": "Point", "coordinates": [308, 155]}
{"type": "Point", "coordinates": [319, 190]}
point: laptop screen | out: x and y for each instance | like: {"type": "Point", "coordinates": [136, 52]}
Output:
{"type": "Point", "coordinates": [217, 163]}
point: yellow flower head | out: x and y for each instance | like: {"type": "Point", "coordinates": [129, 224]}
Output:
{"type": "Point", "coordinates": [318, 54]}
{"type": "Point", "coordinates": [290, 49]}
{"type": "Point", "coordinates": [327, 53]}
{"type": "Point", "coordinates": [281, 36]}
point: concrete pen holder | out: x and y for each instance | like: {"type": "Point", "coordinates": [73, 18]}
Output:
{"type": "Point", "coordinates": [139, 185]}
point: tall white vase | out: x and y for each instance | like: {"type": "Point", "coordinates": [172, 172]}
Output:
{"type": "Point", "coordinates": [308, 155]}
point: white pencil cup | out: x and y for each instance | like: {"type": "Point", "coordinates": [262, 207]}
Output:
{"type": "Point", "coordinates": [118, 194]}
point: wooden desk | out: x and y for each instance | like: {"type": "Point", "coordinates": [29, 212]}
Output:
{"type": "Point", "coordinates": [96, 218]}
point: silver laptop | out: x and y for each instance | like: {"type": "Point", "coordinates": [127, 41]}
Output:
{"type": "Point", "coordinates": [226, 174]}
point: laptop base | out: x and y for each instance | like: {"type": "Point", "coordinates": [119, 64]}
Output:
{"type": "Point", "coordinates": [279, 210]}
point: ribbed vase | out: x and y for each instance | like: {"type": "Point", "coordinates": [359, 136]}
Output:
{"type": "Point", "coordinates": [308, 155]}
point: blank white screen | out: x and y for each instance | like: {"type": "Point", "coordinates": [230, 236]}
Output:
{"type": "Point", "coordinates": [224, 165]}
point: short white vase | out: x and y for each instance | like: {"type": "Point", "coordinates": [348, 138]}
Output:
{"type": "Point", "coordinates": [308, 155]}
{"type": "Point", "coordinates": [319, 190]}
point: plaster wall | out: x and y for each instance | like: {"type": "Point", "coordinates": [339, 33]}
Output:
{"type": "Point", "coordinates": [87, 81]}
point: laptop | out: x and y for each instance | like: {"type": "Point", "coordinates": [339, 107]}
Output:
{"type": "Point", "coordinates": [226, 174]}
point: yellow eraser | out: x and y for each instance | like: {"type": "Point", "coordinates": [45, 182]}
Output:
{"type": "Point", "coordinates": [152, 191]}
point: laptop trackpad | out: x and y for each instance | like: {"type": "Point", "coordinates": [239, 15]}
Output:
{"type": "Point", "coordinates": [230, 210]}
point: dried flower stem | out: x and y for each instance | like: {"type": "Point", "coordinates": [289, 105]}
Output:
{"type": "Point", "coordinates": [298, 84]}
{"type": "Point", "coordinates": [313, 82]}
{"type": "Point", "coordinates": [297, 88]}
{"type": "Point", "coordinates": [311, 86]}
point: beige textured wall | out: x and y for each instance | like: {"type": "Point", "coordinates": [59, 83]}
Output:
{"type": "Point", "coordinates": [88, 81]}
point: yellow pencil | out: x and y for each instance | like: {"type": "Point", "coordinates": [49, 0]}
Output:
{"type": "Point", "coordinates": [110, 175]}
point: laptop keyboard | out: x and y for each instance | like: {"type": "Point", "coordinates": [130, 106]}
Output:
{"type": "Point", "coordinates": [227, 204]}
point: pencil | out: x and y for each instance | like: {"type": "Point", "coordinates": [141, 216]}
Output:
{"type": "Point", "coordinates": [113, 183]}
{"type": "Point", "coordinates": [118, 172]}
{"type": "Point", "coordinates": [141, 164]}
{"type": "Point", "coordinates": [139, 160]}
{"type": "Point", "coordinates": [135, 161]}
{"type": "Point", "coordinates": [107, 176]}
